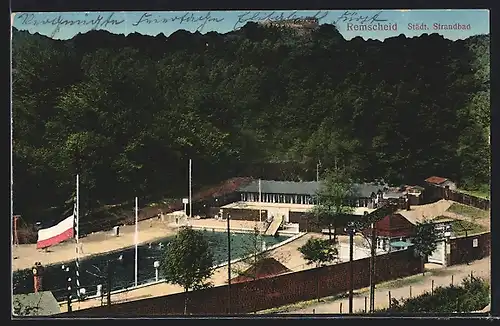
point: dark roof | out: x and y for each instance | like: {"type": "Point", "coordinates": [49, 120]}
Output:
{"type": "Point", "coordinates": [394, 225]}
{"type": "Point", "coordinates": [436, 180]}
{"type": "Point", "coordinates": [282, 187]}
{"type": "Point", "coordinates": [304, 188]}
{"type": "Point", "coordinates": [365, 190]}
{"type": "Point", "coordinates": [36, 304]}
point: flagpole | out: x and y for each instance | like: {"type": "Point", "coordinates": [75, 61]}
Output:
{"type": "Point", "coordinates": [77, 234]}
{"type": "Point", "coordinates": [190, 188]}
{"type": "Point", "coordinates": [136, 236]}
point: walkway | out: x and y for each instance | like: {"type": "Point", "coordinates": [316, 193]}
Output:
{"type": "Point", "coordinates": [275, 224]}
{"type": "Point", "coordinates": [400, 288]}
{"type": "Point", "coordinates": [25, 255]}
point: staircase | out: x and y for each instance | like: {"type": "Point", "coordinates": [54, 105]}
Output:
{"type": "Point", "coordinates": [274, 226]}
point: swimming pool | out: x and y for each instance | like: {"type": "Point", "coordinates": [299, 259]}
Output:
{"type": "Point", "coordinates": [93, 269]}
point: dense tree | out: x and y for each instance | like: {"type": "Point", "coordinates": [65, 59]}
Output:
{"type": "Point", "coordinates": [333, 200]}
{"type": "Point", "coordinates": [425, 240]}
{"type": "Point", "coordinates": [188, 261]}
{"type": "Point", "coordinates": [319, 252]}
{"type": "Point", "coordinates": [128, 112]}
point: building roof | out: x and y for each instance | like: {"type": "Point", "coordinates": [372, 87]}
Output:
{"type": "Point", "coordinates": [35, 304]}
{"type": "Point", "coordinates": [419, 213]}
{"type": "Point", "coordinates": [436, 180]}
{"type": "Point", "coordinates": [282, 187]}
{"type": "Point", "coordinates": [363, 190]}
{"type": "Point", "coordinates": [394, 225]}
{"type": "Point", "coordinates": [265, 268]}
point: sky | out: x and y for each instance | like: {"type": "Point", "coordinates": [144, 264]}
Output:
{"type": "Point", "coordinates": [450, 23]}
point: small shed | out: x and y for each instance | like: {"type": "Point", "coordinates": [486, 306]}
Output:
{"type": "Point", "coordinates": [267, 267]}
{"type": "Point", "coordinates": [392, 228]}
{"type": "Point", "coordinates": [35, 304]}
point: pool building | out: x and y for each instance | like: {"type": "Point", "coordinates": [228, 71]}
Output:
{"type": "Point", "coordinates": [291, 202]}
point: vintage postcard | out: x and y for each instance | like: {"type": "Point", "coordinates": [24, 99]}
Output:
{"type": "Point", "coordinates": [250, 163]}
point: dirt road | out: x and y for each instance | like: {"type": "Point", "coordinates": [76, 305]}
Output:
{"type": "Point", "coordinates": [399, 289]}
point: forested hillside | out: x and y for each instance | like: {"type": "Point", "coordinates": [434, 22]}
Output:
{"type": "Point", "coordinates": [127, 113]}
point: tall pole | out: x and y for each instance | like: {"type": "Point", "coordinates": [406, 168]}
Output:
{"type": "Point", "coordinates": [76, 212]}
{"type": "Point", "coordinates": [260, 201]}
{"type": "Point", "coordinates": [372, 269]}
{"type": "Point", "coordinates": [317, 171]}
{"type": "Point", "coordinates": [136, 238]}
{"type": "Point", "coordinates": [108, 294]}
{"type": "Point", "coordinates": [190, 188]}
{"type": "Point", "coordinates": [11, 152]}
{"type": "Point", "coordinates": [228, 265]}
{"type": "Point", "coordinates": [16, 238]}
{"type": "Point", "coordinates": [351, 271]}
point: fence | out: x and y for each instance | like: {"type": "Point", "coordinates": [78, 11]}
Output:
{"type": "Point", "coordinates": [398, 290]}
{"type": "Point", "coordinates": [270, 292]}
{"type": "Point", "coordinates": [435, 192]}
{"type": "Point", "coordinates": [466, 249]}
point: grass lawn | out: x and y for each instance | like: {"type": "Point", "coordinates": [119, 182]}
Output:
{"type": "Point", "coordinates": [460, 228]}
{"type": "Point", "coordinates": [468, 211]}
{"type": "Point", "coordinates": [478, 193]}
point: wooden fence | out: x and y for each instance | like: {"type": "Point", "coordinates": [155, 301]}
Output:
{"type": "Point", "coordinates": [436, 193]}
{"type": "Point", "coordinates": [466, 249]}
{"type": "Point", "coordinates": [270, 292]}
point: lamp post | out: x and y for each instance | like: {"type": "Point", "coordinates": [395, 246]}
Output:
{"type": "Point", "coordinates": [372, 267]}
{"type": "Point", "coordinates": [109, 272]}
{"type": "Point", "coordinates": [351, 231]}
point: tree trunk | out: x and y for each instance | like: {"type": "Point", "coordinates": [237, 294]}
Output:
{"type": "Point", "coordinates": [330, 233]}
{"type": "Point", "coordinates": [185, 300]}
{"type": "Point", "coordinates": [423, 265]}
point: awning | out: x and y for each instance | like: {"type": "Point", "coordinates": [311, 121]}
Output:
{"type": "Point", "coordinates": [400, 244]}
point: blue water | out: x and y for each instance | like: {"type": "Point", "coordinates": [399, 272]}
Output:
{"type": "Point", "coordinates": [93, 269]}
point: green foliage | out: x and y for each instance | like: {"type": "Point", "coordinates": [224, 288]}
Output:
{"type": "Point", "coordinates": [425, 239]}
{"type": "Point", "coordinates": [472, 295]}
{"type": "Point", "coordinates": [461, 228]}
{"type": "Point", "coordinates": [188, 260]}
{"type": "Point", "coordinates": [333, 198]}
{"type": "Point", "coordinates": [318, 251]}
{"type": "Point", "coordinates": [468, 211]}
{"type": "Point", "coordinates": [127, 113]}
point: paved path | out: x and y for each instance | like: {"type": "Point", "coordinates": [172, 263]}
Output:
{"type": "Point", "coordinates": [399, 289]}
{"type": "Point", "coordinates": [25, 255]}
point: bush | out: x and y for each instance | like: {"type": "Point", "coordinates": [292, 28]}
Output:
{"type": "Point", "coordinates": [472, 295]}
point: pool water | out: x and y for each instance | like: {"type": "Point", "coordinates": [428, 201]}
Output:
{"type": "Point", "coordinates": [93, 269]}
